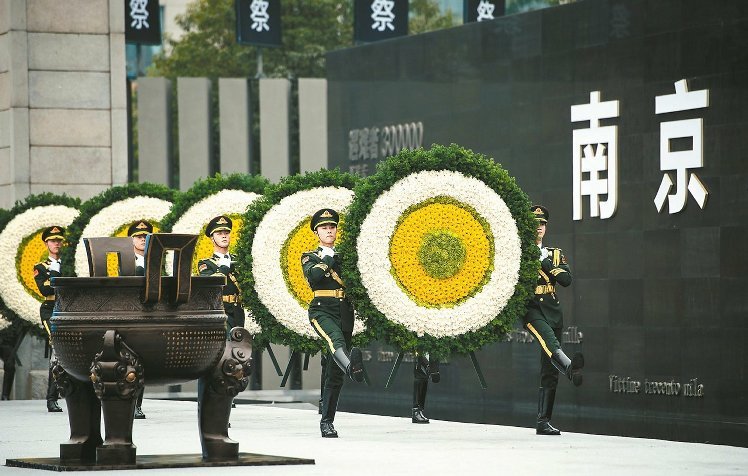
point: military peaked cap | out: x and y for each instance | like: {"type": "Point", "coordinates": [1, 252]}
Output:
{"type": "Point", "coordinates": [53, 233]}
{"type": "Point", "coordinates": [541, 213]}
{"type": "Point", "coordinates": [141, 227]}
{"type": "Point", "coordinates": [326, 216]}
{"type": "Point", "coordinates": [219, 223]}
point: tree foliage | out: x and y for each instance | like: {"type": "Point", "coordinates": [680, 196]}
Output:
{"type": "Point", "coordinates": [208, 47]}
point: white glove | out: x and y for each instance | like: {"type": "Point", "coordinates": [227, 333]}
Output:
{"type": "Point", "coordinates": [225, 261]}
{"type": "Point", "coordinates": [544, 253]}
{"type": "Point", "coordinates": [327, 251]}
{"type": "Point", "coordinates": [55, 265]}
{"type": "Point", "coordinates": [140, 261]}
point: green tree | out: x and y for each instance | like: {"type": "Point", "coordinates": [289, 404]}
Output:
{"type": "Point", "coordinates": [208, 47]}
{"type": "Point", "coordinates": [425, 15]}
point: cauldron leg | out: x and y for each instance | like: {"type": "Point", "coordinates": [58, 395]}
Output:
{"type": "Point", "coordinates": [229, 377]}
{"type": "Point", "coordinates": [117, 375]}
{"type": "Point", "coordinates": [84, 415]}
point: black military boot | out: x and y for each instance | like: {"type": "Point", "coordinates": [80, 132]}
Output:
{"type": "Point", "coordinates": [572, 368]}
{"type": "Point", "coordinates": [52, 395]}
{"type": "Point", "coordinates": [419, 400]}
{"type": "Point", "coordinates": [139, 415]}
{"type": "Point", "coordinates": [329, 407]}
{"type": "Point", "coordinates": [353, 366]}
{"type": "Point", "coordinates": [546, 396]}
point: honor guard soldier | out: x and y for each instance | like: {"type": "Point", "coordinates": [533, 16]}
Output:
{"type": "Point", "coordinates": [426, 367]}
{"type": "Point", "coordinates": [53, 237]}
{"type": "Point", "coordinates": [219, 231]}
{"type": "Point", "coordinates": [545, 320]}
{"type": "Point", "coordinates": [331, 315]}
{"type": "Point", "coordinates": [138, 231]}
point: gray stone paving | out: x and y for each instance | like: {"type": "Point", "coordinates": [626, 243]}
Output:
{"type": "Point", "coordinates": [374, 445]}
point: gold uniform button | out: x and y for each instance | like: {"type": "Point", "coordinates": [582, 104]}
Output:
{"type": "Point", "coordinates": [541, 299]}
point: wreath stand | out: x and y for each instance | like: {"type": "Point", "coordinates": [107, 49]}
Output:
{"type": "Point", "coordinates": [307, 356]}
{"type": "Point", "coordinates": [473, 359]}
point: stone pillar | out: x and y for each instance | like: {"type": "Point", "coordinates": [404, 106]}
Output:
{"type": "Point", "coordinates": [235, 122]}
{"type": "Point", "coordinates": [275, 146]}
{"type": "Point", "coordinates": [193, 102]}
{"type": "Point", "coordinates": [154, 130]}
{"type": "Point", "coordinates": [62, 97]}
{"type": "Point", "coordinates": [312, 124]}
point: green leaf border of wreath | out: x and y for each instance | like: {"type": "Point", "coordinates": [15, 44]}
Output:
{"type": "Point", "coordinates": [94, 205]}
{"type": "Point", "coordinates": [271, 329]}
{"type": "Point", "coordinates": [32, 201]}
{"type": "Point", "coordinates": [471, 164]}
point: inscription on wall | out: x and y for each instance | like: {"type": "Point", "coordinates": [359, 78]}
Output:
{"type": "Point", "coordinates": [671, 388]}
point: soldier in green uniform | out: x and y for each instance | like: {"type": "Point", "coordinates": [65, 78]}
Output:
{"type": "Point", "coordinates": [426, 367]}
{"type": "Point", "coordinates": [138, 231]}
{"type": "Point", "coordinates": [218, 230]}
{"type": "Point", "coordinates": [545, 320]}
{"type": "Point", "coordinates": [53, 237]}
{"type": "Point", "coordinates": [331, 315]}
{"type": "Point", "coordinates": [221, 263]}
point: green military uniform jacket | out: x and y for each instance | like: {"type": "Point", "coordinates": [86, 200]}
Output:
{"type": "Point", "coordinates": [324, 274]}
{"type": "Point", "coordinates": [554, 270]}
{"type": "Point", "coordinates": [231, 291]}
{"type": "Point", "coordinates": [42, 276]}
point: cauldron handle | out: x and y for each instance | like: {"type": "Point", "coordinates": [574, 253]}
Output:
{"type": "Point", "coordinates": [98, 248]}
{"type": "Point", "coordinates": [155, 246]}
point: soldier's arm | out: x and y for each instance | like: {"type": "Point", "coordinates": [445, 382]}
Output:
{"type": "Point", "coordinates": [41, 276]}
{"type": "Point", "coordinates": [206, 267]}
{"type": "Point", "coordinates": [560, 268]}
{"type": "Point", "coordinates": [315, 268]}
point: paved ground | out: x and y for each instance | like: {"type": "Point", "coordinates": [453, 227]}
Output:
{"type": "Point", "coordinates": [374, 445]}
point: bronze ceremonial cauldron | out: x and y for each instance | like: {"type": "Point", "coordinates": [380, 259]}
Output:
{"type": "Point", "coordinates": [111, 334]}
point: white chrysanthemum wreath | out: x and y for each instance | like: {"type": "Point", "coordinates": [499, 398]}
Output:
{"type": "Point", "coordinates": [23, 225]}
{"type": "Point", "coordinates": [111, 218]}
{"type": "Point", "coordinates": [374, 264]}
{"type": "Point", "coordinates": [193, 221]}
{"type": "Point", "coordinates": [271, 234]}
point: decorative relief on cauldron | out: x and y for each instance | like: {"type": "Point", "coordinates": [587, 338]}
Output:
{"type": "Point", "coordinates": [188, 349]}
{"type": "Point", "coordinates": [70, 344]}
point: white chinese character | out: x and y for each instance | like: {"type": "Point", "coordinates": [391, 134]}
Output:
{"type": "Point", "coordinates": [139, 14]}
{"type": "Point", "coordinates": [259, 15]}
{"type": "Point", "coordinates": [353, 145]}
{"type": "Point", "coordinates": [485, 10]}
{"type": "Point", "coordinates": [381, 13]}
{"type": "Point", "coordinates": [589, 157]}
{"type": "Point", "coordinates": [363, 143]}
{"type": "Point", "coordinates": [681, 161]}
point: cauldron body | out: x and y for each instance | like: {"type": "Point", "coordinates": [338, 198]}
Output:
{"type": "Point", "coordinates": [175, 342]}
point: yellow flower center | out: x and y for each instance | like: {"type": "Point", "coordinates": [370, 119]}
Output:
{"type": "Point", "coordinates": [429, 230]}
{"type": "Point", "coordinates": [32, 251]}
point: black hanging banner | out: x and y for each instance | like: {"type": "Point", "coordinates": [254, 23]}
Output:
{"type": "Point", "coordinates": [483, 10]}
{"type": "Point", "coordinates": [258, 22]}
{"type": "Point", "coordinates": [142, 22]}
{"type": "Point", "coordinates": [375, 20]}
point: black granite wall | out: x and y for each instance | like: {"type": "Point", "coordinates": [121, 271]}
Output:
{"type": "Point", "coordinates": [658, 297]}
